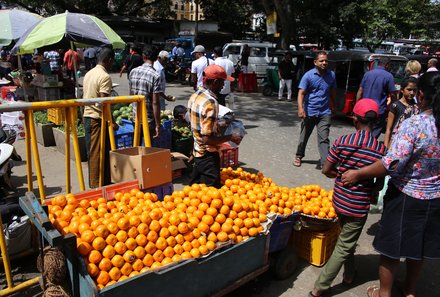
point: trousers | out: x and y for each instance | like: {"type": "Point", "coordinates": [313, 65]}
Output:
{"type": "Point", "coordinates": [323, 126]}
{"type": "Point", "coordinates": [288, 84]}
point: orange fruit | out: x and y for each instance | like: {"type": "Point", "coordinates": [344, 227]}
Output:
{"type": "Point", "coordinates": [132, 232]}
{"type": "Point", "coordinates": [99, 243]}
{"type": "Point", "coordinates": [126, 269]}
{"type": "Point", "coordinates": [103, 278]}
{"type": "Point", "coordinates": [203, 249]}
{"type": "Point", "coordinates": [95, 257]}
{"type": "Point", "coordinates": [220, 218]}
{"type": "Point", "coordinates": [105, 264]}
{"type": "Point", "coordinates": [215, 227]}
{"type": "Point", "coordinates": [148, 260]}
{"type": "Point", "coordinates": [137, 265]}
{"type": "Point", "coordinates": [121, 236]}
{"type": "Point", "coordinates": [186, 255]}
{"type": "Point", "coordinates": [164, 232]}
{"type": "Point", "coordinates": [176, 258]}
{"type": "Point", "coordinates": [195, 253]}
{"type": "Point", "coordinates": [141, 240]}
{"type": "Point", "coordinates": [212, 237]}
{"type": "Point", "coordinates": [59, 200]}
{"type": "Point", "coordinates": [87, 236]}
{"type": "Point", "coordinates": [134, 221]}
{"type": "Point", "coordinates": [150, 248]}
{"type": "Point", "coordinates": [222, 236]}
{"type": "Point", "coordinates": [203, 227]}
{"type": "Point", "coordinates": [210, 245]}
{"type": "Point", "coordinates": [108, 252]}
{"type": "Point", "coordinates": [131, 243]}
{"type": "Point", "coordinates": [84, 248]}
{"type": "Point", "coordinates": [92, 269]}
{"type": "Point", "coordinates": [102, 231]}
{"type": "Point", "coordinates": [115, 273]}
{"type": "Point", "coordinates": [123, 223]}
{"type": "Point", "coordinates": [118, 261]}
{"type": "Point", "coordinates": [207, 219]}
{"type": "Point", "coordinates": [120, 248]}
{"type": "Point", "coordinates": [129, 256]}
{"type": "Point", "coordinates": [142, 228]}
{"type": "Point", "coordinates": [83, 227]}
{"type": "Point", "coordinates": [168, 252]}
{"type": "Point", "coordinates": [158, 256]}
{"type": "Point", "coordinates": [152, 236]}
{"type": "Point", "coordinates": [155, 226]}
{"type": "Point", "coordinates": [84, 203]}
{"type": "Point", "coordinates": [161, 243]}
{"type": "Point", "coordinates": [183, 228]}
{"type": "Point", "coordinates": [139, 252]}
{"type": "Point", "coordinates": [111, 239]}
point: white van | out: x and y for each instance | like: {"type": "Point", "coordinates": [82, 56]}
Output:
{"type": "Point", "coordinates": [259, 55]}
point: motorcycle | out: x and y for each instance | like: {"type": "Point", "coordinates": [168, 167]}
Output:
{"type": "Point", "coordinates": [8, 155]}
{"type": "Point", "coordinates": [183, 71]}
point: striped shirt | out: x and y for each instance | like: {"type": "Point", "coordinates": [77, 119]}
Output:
{"type": "Point", "coordinates": [203, 114]}
{"type": "Point", "coordinates": [144, 80]}
{"type": "Point", "coordinates": [354, 151]}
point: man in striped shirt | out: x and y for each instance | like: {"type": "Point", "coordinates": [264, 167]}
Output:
{"type": "Point", "coordinates": [352, 151]}
{"type": "Point", "coordinates": [203, 111]}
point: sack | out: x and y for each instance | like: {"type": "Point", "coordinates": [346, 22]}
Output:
{"type": "Point", "coordinates": [18, 235]}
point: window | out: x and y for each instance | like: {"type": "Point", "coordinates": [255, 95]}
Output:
{"type": "Point", "coordinates": [232, 50]}
{"type": "Point", "coordinates": [258, 52]}
{"type": "Point", "coordinates": [191, 7]}
{"type": "Point", "coordinates": [176, 6]}
{"type": "Point", "coordinates": [182, 7]}
{"type": "Point", "coordinates": [192, 17]}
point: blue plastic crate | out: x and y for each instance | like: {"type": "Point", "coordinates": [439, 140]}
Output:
{"type": "Point", "coordinates": [124, 136]}
{"type": "Point", "coordinates": [280, 232]}
{"type": "Point", "coordinates": [162, 190]}
{"type": "Point", "coordinates": [165, 137]}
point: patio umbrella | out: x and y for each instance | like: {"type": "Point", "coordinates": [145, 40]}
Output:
{"type": "Point", "coordinates": [78, 28]}
{"type": "Point", "coordinates": [14, 23]}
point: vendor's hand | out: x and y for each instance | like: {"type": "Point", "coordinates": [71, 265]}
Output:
{"type": "Point", "coordinates": [236, 138]}
{"type": "Point", "coordinates": [301, 113]}
{"type": "Point", "coordinates": [157, 132]}
{"type": "Point", "coordinates": [349, 178]}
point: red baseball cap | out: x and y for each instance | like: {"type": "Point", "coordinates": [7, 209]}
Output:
{"type": "Point", "coordinates": [363, 106]}
{"type": "Point", "coordinates": [216, 71]}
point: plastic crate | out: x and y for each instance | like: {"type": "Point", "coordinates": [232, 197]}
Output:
{"type": "Point", "coordinates": [315, 247]}
{"type": "Point", "coordinates": [281, 231]}
{"type": "Point", "coordinates": [124, 187]}
{"type": "Point", "coordinates": [165, 136]}
{"type": "Point", "coordinates": [162, 190]}
{"type": "Point", "coordinates": [124, 136]}
{"type": "Point", "coordinates": [56, 115]}
{"type": "Point", "coordinates": [247, 82]}
{"type": "Point", "coordinates": [229, 156]}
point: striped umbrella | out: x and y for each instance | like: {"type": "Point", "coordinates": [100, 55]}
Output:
{"type": "Point", "coordinates": [78, 28]}
{"type": "Point", "coordinates": [14, 23]}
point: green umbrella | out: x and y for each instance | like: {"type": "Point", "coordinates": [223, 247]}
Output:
{"type": "Point", "coordinates": [14, 23]}
{"type": "Point", "coordinates": [81, 29]}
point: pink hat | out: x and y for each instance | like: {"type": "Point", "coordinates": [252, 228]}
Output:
{"type": "Point", "coordinates": [363, 106]}
{"type": "Point", "coordinates": [216, 71]}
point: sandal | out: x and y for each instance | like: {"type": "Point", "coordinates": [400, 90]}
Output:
{"type": "Point", "coordinates": [297, 162]}
{"type": "Point", "coordinates": [373, 291]}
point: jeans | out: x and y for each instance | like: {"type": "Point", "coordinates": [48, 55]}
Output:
{"type": "Point", "coordinates": [307, 126]}
{"type": "Point", "coordinates": [343, 254]}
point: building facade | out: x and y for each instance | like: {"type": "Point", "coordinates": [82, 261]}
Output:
{"type": "Point", "coordinates": [186, 10]}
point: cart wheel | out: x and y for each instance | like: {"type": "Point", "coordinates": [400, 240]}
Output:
{"type": "Point", "coordinates": [285, 263]}
{"type": "Point", "coordinates": [267, 91]}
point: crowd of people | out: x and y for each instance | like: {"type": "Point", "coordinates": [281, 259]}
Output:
{"type": "Point", "coordinates": [359, 161]}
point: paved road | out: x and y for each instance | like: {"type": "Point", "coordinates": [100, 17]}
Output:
{"type": "Point", "coordinates": [269, 146]}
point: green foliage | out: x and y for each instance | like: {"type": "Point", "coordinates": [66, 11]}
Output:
{"type": "Point", "coordinates": [79, 128]}
{"type": "Point", "coordinates": [40, 117]}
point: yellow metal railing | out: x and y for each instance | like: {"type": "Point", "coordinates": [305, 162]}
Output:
{"type": "Point", "coordinates": [70, 108]}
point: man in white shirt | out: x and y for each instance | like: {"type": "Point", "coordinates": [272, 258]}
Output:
{"type": "Point", "coordinates": [432, 65]}
{"type": "Point", "coordinates": [198, 65]}
{"type": "Point", "coordinates": [229, 69]}
{"type": "Point", "coordinates": [158, 65]}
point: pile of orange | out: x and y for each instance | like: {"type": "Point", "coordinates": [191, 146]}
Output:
{"type": "Point", "coordinates": [265, 195]}
{"type": "Point", "coordinates": [135, 232]}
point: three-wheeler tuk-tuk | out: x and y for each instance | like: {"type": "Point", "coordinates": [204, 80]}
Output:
{"type": "Point", "coordinates": [349, 67]}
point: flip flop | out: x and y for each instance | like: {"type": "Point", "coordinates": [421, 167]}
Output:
{"type": "Point", "coordinates": [297, 162]}
{"type": "Point", "coordinates": [373, 291]}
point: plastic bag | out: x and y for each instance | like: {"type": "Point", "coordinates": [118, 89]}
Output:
{"type": "Point", "coordinates": [236, 127]}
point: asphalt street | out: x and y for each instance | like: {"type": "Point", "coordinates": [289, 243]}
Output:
{"type": "Point", "coordinates": [269, 147]}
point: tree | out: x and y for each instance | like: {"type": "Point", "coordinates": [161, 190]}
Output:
{"type": "Point", "coordinates": [285, 18]}
{"type": "Point", "coordinates": [160, 8]}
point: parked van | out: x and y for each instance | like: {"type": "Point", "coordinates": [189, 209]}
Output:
{"type": "Point", "coordinates": [349, 68]}
{"type": "Point", "coordinates": [259, 57]}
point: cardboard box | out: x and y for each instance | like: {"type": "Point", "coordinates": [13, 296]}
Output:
{"type": "Point", "coordinates": [150, 165]}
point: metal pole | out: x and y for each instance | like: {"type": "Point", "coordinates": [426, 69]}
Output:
{"type": "Point", "coordinates": [67, 125]}
{"type": "Point", "coordinates": [102, 148]}
{"type": "Point", "coordinates": [146, 128]}
{"type": "Point", "coordinates": [6, 262]}
{"type": "Point", "coordinates": [109, 119]}
{"type": "Point", "coordinates": [37, 157]}
{"type": "Point", "coordinates": [28, 140]}
{"type": "Point", "coordinates": [72, 112]}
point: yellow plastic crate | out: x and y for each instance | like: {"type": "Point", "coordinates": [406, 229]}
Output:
{"type": "Point", "coordinates": [315, 247]}
{"type": "Point", "coordinates": [56, 115]}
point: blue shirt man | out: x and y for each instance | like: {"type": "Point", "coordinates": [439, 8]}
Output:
{"type": "Point", "coordinates": [316, 95]}
{"type": "Point", "coordinates": [378, 84]}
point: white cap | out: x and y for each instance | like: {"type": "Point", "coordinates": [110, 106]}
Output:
{"type": "Point", "coordinates": [198, 49]}
{"type": "Point", "coordinates": [164, 55]}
